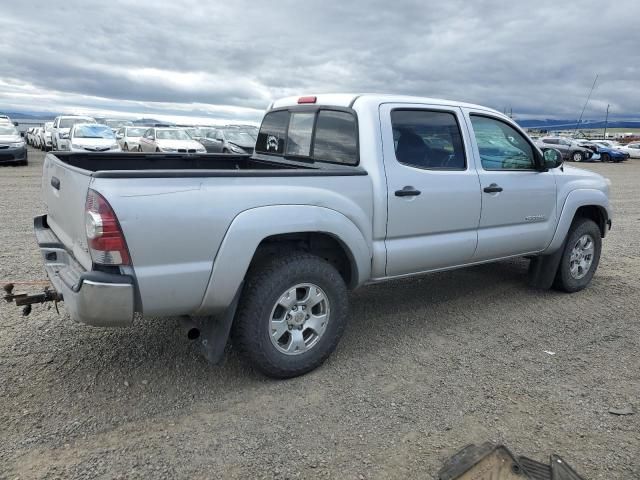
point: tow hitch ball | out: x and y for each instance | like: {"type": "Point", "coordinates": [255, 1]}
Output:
{"type": "Point", "coordinates": [25, 300]}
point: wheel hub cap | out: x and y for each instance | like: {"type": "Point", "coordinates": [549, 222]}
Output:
{"type": "Point", "coordinates": [581, 257]}
{"type": "Point", "coordinates": [299, 319]}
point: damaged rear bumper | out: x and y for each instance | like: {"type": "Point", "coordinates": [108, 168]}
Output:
{"type": "Point", "coordinates": [91, 297]}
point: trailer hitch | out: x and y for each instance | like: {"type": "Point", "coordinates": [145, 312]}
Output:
{"type": "Point", "coordinates": [25, 300]}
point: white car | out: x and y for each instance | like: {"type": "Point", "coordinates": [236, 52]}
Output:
{"type": "Point", "coordinates": [169, 140]}
{"type": "Point", "coordinates": [61, 127]}
{"type": "Point", "coordinates": [92, 137]}
{"type": "Point", "coordinates": [633, 149]}
{"type": "Point", "coordinates": [129, 137]}
{"type": "Point", "coordinates": [36, 136]}
{"type": "Point", "coordinates": [5, 119]}
{"type": "Point", "coordinates": [44, 137]}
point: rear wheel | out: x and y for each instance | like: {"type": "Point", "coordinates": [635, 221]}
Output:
{"type": "Point", "coordinates": [139, 148]}
{"type": "Point", "coordinates": [605, 157]}
{"type": "Point", "coordinates": [125, 147]}
{"type": "Point", "coordinates": [581, 256]}
{"type": "Point", "coordinates": [292, 313]}
{"type": "Point", "coordinates": [577, 156]}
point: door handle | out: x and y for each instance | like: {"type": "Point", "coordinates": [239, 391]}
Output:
{"type": "Point", "coordinates": [493, 188]}
{"type": "Point", "coordinates": [55, 183]}
{"type": "Point", "coordinates": [407, 191]}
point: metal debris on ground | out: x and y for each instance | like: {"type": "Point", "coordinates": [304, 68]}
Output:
{"type": "Point", "coordinates": [495, 462]}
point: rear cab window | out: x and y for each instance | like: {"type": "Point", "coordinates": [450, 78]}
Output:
{"type": "Point", "coordinates": [317, 134]}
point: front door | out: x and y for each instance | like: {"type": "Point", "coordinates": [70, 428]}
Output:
{"type": "Point", "coordinates": [433, 197]}
{"type": "Point", "coordinates": [518, 201]}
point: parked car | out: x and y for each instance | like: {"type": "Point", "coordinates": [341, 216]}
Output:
{"type": "Point", "coordinates": [61, 127]}
{"type": "Point", "coordinates": [342, 191]}
{"type": "Point", "coordinates": [632, 149]}
{"type": "Point", "coordinates": [45, 136]}
{"type": "Point", "coordinates": [13, 148]}
{"type": "Point", "coordinates": [32, 136]}
{"type": "Point", "coordinates": [228, 140]}
{"type": "Point", "coordinates": [90, 137]}
{"type": "Point", "coordinates": [38, 131]}
{"type": "Point", "coordinates": [570, 149]}
{"type": "Point", "coordinates": [6, 119]}
{"type": "Point", "coordinates": [129, 137]}
{"type": "Point", "coordinates": [115, 124]}
{"type": "Point", "coordinates": [608, 154]}
{"type": "Point", "coordinates": [168, 140]}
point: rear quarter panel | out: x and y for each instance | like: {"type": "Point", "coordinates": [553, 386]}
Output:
{"type": "Point", "coordinates": [175, 226]}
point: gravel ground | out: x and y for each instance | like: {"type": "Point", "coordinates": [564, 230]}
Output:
{"type": "Point", "coordinates": [426, 367]}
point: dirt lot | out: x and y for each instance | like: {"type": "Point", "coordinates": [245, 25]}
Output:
{"type": "Point", "coordinates": [426, 366]}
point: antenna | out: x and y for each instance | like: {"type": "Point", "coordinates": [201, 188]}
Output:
{"type": "Point", "coordinates": [585, 103]}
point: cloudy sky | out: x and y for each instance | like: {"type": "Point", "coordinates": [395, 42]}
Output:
{"type": "Point", "coordinates": [229, 59]}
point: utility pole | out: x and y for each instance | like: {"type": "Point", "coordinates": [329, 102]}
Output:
{"type": "Point", "coordinates": [585, 103]}
{"type": "Point", "coordinates": [606, 121]}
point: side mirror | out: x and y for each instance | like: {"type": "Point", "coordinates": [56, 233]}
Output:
{"type": "Point", "coordinates": [119, 136]}
{"type": "Point", "coordinates": [552, 158]}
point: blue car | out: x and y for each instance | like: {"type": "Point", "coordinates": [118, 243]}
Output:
{"type": "Point", "coordinates": [611, 155]}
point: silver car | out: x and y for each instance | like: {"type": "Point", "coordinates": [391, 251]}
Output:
{"type": "Point", "coordinates": [92, 137]}
{"type": "Point", "coordinates": [129, 137]}
{"type": "Point", "coordinates": [169, 140]}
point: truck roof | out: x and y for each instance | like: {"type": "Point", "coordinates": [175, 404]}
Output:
{"type": "Point", "coordinates": [349, 99]}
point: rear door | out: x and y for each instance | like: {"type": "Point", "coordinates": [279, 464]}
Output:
{"type": "Point", "coordinates": [64, 189]}
{"type": "Point", "coordinates": [433, 199]}
{"type": "Point", "coordinates": [518, 201]}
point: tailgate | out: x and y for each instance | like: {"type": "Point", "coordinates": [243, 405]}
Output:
{"type": "Point", "coordinates": [64, 190]}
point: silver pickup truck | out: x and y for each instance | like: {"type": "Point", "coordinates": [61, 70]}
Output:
{"type": "Point", "coordinates": [342, 190]}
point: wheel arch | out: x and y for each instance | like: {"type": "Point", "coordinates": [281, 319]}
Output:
{"type": "Point", "coordinates": [584, 203]}
{"type": "Point", "coordinates": [258, 232]}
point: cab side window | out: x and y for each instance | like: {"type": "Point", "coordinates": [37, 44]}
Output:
{"type": "Point", "coordinates": [501, 146]}
{"type": "Point", "coordinates": [428, 139]}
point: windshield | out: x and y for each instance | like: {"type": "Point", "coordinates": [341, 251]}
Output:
{"type": "Point", "coordinates": [8, 130]}
{"type": "Point", "coordinates": [93, 131]}
{"type": "Point", "coordinates": [70, 122]}
{"type": "Point", "coordinates": [193, 132]}
{"type": "Point", "coordinates": [239, 137]}
{"type": "Point", "coordinates": [135, 132]}
{"type": "Point", "coordinates": [172, 135]}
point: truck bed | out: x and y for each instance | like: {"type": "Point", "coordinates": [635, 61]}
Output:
{"type": "Point", "coordinates": [139, 165]}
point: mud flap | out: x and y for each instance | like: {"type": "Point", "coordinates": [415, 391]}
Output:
{"type": "Point", "coordinates": [543, 269]}
{"type": "Point", "coordinates": [496, 462]}
{"type": "Point", "coordinates": [214, 332]}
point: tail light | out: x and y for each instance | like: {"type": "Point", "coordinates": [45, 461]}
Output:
{"type": "Point", "coordinates": [307, 99]}
{"type": "Point", "coordinates": [106, 240]}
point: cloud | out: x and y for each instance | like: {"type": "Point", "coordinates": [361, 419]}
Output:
{"type": "Point", "coordinates": [231, 59]}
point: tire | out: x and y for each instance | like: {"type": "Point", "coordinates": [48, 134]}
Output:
{"type": "Point", "coordinates": [224, 150]}
{"type": "Point", "coordinates": [605, 157]}
{"type": "Point", "coordinates": [266, 290]}
{"type": "Point", "coordinates": [577, 156]}
{"type": "Point", "coordinates": [125, 148]}
{"type": "Point", "coordinates": [157, 150]}
{"type": "Point", "coordinates": [574, 281]}
{"type": "Point", "coordinates": [139, 149]}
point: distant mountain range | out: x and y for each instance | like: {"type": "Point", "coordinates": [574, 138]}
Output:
{"type": "Point", "coordinates": [549, 124]}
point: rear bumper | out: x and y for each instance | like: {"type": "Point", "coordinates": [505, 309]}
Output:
{"type": "Point", "coordinates": [91, 297]}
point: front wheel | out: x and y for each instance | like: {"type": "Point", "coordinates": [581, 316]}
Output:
{"type": "Point", "coordinates": [605, 157]}
{"type": "Point", "coordinates": [580, 257]}
{"type": "Point", "coordinates": [577, 156]}
{"type": "Point", "coordinates": [292, 313]}
{"type": "Point", "coordinates": [125, 148]}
